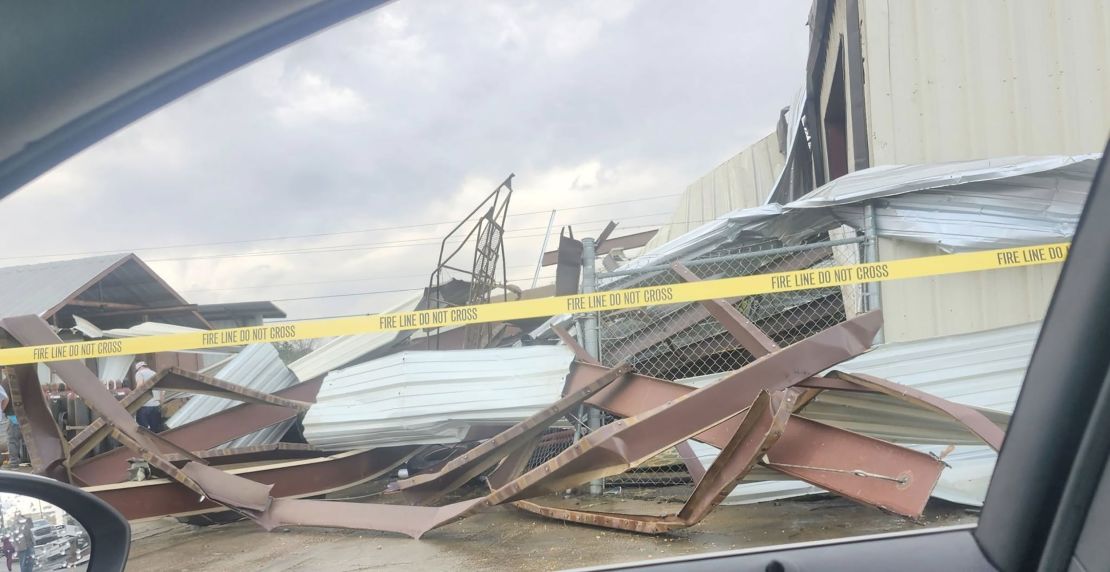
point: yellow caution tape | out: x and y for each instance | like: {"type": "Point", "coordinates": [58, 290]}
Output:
{"type": "Point", "coordinates": [504, 311]}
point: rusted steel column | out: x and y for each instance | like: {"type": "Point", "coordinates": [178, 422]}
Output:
{"type": "Point", "coordinates": [46, 445]}
{"type": "Point", "coordinates": [761, 428]}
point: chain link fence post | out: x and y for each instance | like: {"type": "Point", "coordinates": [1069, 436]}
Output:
{"type": "Point", "coordinates": [874, 294]}
{"type": "Point", "coordinates": [590, 331]}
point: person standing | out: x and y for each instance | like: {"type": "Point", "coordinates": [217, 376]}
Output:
{"type": "Point", "coordinates": [149, 415]}
{"type": "Point", "coordinates": [15, 436]}
{"type": "Point", "coordinates": [8, 550]}
{"type": "Point", "coordinates": [25, 544]}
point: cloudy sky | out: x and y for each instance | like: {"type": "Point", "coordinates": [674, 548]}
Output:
{"type": "Point", "coordinates": [324, 169]}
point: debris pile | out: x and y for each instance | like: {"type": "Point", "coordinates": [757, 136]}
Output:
{"type": "Point", "coordinates": [384, 411]}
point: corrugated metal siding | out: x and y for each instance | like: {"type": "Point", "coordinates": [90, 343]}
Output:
{"type": "Point", "coordinates": [433, 396]}
{"type": "Point", "coordinates": [960, 303]}
{"type": "Point", "coordinates": [743, 181]}
{"type": "Point", "coordinates": [257, 367]}
{"type": "Point", "coordinates": [950, 80]}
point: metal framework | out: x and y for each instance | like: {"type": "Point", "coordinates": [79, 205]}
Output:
{"type": "Point", "coordinates": [487, 231]}
{"type": "Point", "coordinates": [749, 414]}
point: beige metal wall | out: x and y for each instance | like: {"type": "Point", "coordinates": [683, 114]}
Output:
{"type": "Point", "coordinates": [960, 303]}
{"type": "Point", "coordinates": [950, 80]}
{"type": "Point", "coordinates": [743, 181]}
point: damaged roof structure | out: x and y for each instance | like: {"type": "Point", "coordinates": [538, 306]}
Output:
{"type": "Point", "coordinates": [759, 397]}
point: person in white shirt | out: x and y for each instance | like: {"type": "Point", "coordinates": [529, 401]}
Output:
{"type": "Point", "coordinates": [149, 415]}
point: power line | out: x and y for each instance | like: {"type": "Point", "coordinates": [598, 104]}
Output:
{"type": "Point", "coordinates": [318, 235]}
{"type": "Point", "coordinates": [374, 292]}
{"type": "Point", "coordinates": [369, 245]}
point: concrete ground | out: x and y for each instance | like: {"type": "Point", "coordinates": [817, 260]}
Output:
{"type": "Point", "coordinates": [507, 539]}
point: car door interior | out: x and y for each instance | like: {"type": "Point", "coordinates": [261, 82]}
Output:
{"type": "Point", "coordinates": [109, 533]}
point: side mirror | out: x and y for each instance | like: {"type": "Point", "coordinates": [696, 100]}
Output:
{"type": "Point", "coordinates": [49, 525]}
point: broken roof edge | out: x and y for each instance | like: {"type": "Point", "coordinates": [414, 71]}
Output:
{"type": "Point", "coordinates": [890, 180]}
{"type": "Point", "coordinates": [860, 186]}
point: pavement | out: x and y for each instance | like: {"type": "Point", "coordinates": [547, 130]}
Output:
{"type": "Point", "coordinates": [507, 539]}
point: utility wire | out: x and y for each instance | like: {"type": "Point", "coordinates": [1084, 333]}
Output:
{"type": "Point", "coordinates": [320, 234]}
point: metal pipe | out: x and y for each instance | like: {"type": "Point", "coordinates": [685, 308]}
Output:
{"type": "Point", "coordinates": [590, 332]}
{"type": "Point", "coordinates": [873, 290]}
{"type": "Point", "coordinates": [732, 257]}
{"type": "Point", "coordinates": [547, 235]}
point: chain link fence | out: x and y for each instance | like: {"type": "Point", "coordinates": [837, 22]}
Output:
{"type": "Point", "coordinates": [682, 342]}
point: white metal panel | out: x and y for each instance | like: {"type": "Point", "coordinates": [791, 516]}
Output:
{"type": "Point", "coordinates": [113, 368]}
{"type": "Point", "coordinates": [338, 352]}
{"type": "Point", "coordinates": [951, 80]}
{"type": "Point", "coordinates": [433, 396]}
{"type": "Point", "coordinates": [148, 329]}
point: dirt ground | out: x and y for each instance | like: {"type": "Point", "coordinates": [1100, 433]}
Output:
{"type": "Point", "coordinates": [507, 539]}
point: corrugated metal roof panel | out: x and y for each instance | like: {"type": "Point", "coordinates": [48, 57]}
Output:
{"type": "Point", "coordinates": [433, 396]}
{"type": "Point", "coordinates": [37, 288]}
{"type": "Point", "coordinates": [257, 367]}
{"type": "Point", "coordinates": [338, 352]}
{"type": "Point", "coordinates": [892, 180]}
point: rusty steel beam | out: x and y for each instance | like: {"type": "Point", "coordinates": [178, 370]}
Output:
{"type": "Point", "coordinates": [175, 379]}
{"type": "Point", "coordinates": [738, 325]}
{"type": "Point", "coordinates": [413, 521]}
{"type": "Point", "coordinates": [292, 479]}
{"type": "Point", "coordinates": [202, 434]}
{"type": "Point", "coordinates": [33, 330]}
{"type": "Point", "coordinates": [252, 454]}
{"type": "Point", "coordinates": [628, 442]}
{"type": "Point", "coordinates": [973, 420]}
{"type": "Point", "coordinates": [427, 488]}
{"type": "Point", "coordinates": [643, 524]}
{"type": "Point", "coordinates": [84, 442]}
{"type": "Point", "coordinates": [862, 468]}
{"type": "Point", "coordinates": [761, 427]}
{"type": "Point", "coordinates": [627, 241]}
{"type": "Point", "coordinates": [46, 445]}
{"type": "Point", "coordinates": [514, 464]}
{"type": "Point", "coordinates": [640, 393]}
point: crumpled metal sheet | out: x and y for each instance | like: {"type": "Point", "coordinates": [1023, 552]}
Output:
{"type": "Point", "coordinates": [890, 180]}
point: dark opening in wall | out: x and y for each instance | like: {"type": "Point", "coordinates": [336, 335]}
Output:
{"type": "Point", "coordinates": [836, 122]}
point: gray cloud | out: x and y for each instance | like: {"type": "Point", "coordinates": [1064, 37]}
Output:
{"type": "Point", "coordinates": [408, 115]}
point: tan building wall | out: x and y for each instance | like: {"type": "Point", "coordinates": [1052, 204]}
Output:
{"type": "Point", "coordinates": [952, 80]}
{"type": "Point", "coordinates": [743, 181]}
